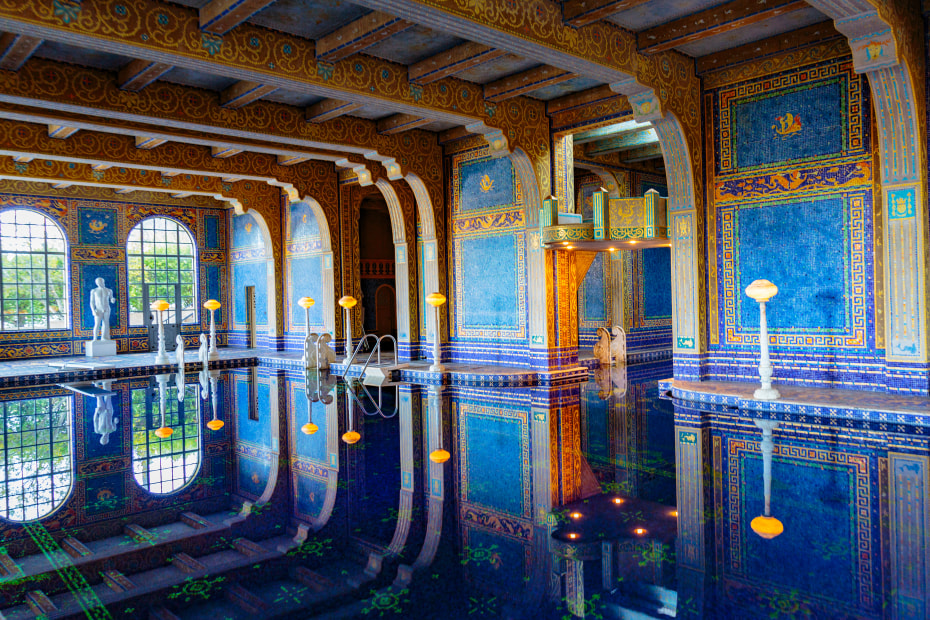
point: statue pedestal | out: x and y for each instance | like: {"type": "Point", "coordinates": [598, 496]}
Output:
{"type": "Point", "coordinates": [99, 348]}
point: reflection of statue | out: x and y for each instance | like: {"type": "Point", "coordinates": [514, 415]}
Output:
{"type": "Point", "coordinates": [324, 353]}
{"type": "Point", "coordinates": [203, 351]}
{"type": "Point", "coordinates": [104, 420]}
{"type": "Point", "coordinates": [100, 300]}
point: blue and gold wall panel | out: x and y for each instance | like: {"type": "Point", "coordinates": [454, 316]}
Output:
{"type": "Point", "coordinates": [793, 202]}
{"type": "Point", "coordinates": [488, 305]}
{"type": "Point", "coordinates": [304, 261]}
{"type": "Point", "coordinates": [96, 232]}
{"type": "Point", "coordinates": [248, 266]}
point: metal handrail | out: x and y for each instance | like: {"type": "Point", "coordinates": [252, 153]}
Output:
{"type": "Point", "coordinates": [378, 349]}
{"type": "Point", "coordinates": [357, 349]}
{"type": "Point", "coordinates": [378, 410]}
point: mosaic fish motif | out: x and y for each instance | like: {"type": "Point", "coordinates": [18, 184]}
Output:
{"type": "Point", "coordinates": [487, 184]}
{"type": "Point", "coordinates": [787, 124]}
{"type": "Point", "coordinates": [843, 175]}
{"type": "Point", "coordinates": [96, 225]}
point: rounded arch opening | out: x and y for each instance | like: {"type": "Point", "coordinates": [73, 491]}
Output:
{"type": "Point", "coordinates": [34, 271]}
{"type": "Point", "coordinates": [162, 263]}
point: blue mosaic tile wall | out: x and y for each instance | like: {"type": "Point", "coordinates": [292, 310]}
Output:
{"type": "Point", "coordinates": [304, 260]}
{"type": "Point", "coordinates": [248, 266]}
{"type": "Point", "coordinates": [791, 201]}
{"type": "Point", "coordinates": [488, 309]}
{"type": "Point", "coordinates": [95, 232]}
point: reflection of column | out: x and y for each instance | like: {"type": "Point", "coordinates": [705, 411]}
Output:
{"type": "Point", "coordinates": [405, 501]}
{"type": "Point", "coordinates": [574, 587]}
{"type": "Point", "coordinates": [909, 516]}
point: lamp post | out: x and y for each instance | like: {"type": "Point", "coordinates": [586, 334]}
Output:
{"type": "Point", "coordinates": [762, 291]}
{"type": "Point", "coordinates": [160, 306]}
{"type": "Point", "coordinates": [306, 303]}
{"type": "Point", "coordinates": [348, 302]}
{"type": "Point", "coordinates": [766, 525]}
{"type": "Point", "coordinates": [436, 300]}
{"type": "Point", "coordinates": [213, 305]}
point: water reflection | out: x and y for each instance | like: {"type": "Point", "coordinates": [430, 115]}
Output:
{"type": "Point", "coordinates": [590, 500]}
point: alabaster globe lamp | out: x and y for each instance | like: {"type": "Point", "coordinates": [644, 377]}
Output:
{"type": "Point", "coordinates": [436, 300]}
{"type": "Point", "coordinates": [348, 302]}
{"type": "Point", "coordinates": [762, 291]}
{"type": "Point", "coordinates": [212, 305]}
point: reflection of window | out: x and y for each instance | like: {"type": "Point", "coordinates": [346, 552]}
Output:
{"type": "Point", "coordinates": [35, 447]}
{"type": "Point", "coordinates": [161, 252]}
{"type": "Point", "coordinates": [164, 465]}
{"type": "Point", "coordinates": [32, 261]}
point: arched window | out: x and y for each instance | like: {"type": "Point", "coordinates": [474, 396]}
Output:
{"type": "Point", "coordinates": [161, 256]}
{"type": "Point", "coordinates": [165, 464]}
{"type": "Point", "coordinates": [36, 457]}
{"type": "Point", "coordinates": [33, 266]}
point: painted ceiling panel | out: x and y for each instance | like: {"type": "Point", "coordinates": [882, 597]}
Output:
{"type": "Point", "coordinates": [292, 98]}
{"type": "Point", "coordinates": [565, 88]}
{"type": "Point", "coordinates": [310, 19]}
{"type": "Point", "coordinates": [754, 32]}
{"type": "Point", "coordinates": [197, 4]}
{"type": "Point", "coordinates": [372, 112]}
{"type": "Point", "coordinates": [496, 69]}
{"type": "Point", "coordinates": [438, 126]}
{"type": "Point", "coordinates": [413, 45]}
{"type": "Point", "coordinates": [187, 77]}
{"type": "Point", "coordinates": [62, 52]}
{"type": "Point", "coordinates": [658, 12]}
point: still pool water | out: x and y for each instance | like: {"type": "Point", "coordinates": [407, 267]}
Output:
{"type": "Point", "coordinates": [280, 494]}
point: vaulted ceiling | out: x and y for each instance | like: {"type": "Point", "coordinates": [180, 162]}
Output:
{"type": "Point", "coordinates": [712, 32]}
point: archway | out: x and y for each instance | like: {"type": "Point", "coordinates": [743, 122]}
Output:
{"type": "Point", "coordinates": [252, 268]}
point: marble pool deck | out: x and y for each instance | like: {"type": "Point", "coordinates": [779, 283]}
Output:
{"type": "Point", "coordinates": [812, 404]}
{"type": "Point", "coordinates": [43, 371]}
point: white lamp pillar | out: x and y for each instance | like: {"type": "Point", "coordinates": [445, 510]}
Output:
{"type": "Point", "coordinates": [762, 291]}
{"type": "Point", "coordinates": [348, 302]}
{"type": "Point", "coordinates": [436, 300]}
{"type": "Point", "coordinates": [212, 305]}
{"type": "Point", "coordinates": [162, 356]}
{"type": "Point", "coordinates": [306, 303]}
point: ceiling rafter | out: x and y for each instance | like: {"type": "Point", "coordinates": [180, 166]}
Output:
{"type": "Point", "coordinates": [329, 109]}
{"type": "Point", "coordinates": [60, 132]}
{"type": "Point", "coordinates": [525, 82]}
{"type": "Point", "coordinates": [397, 123]}
{"type": "Point", "coordinates": [148, 142]}
{"type": "Point", "coordinates": [460, 58]}
{"type": "Point", "coordinates": [625, 141]}
{"type": "Point", "coordinates": [819, 32]}
{"type": "Point", "coordinates": [16, 49]}
{"type": "Point", "coordinates": [712, 21]}
{"type": "Point", "coordinates": [139, 73]}
{"type": "Point", "coordinates": [642, 153]}
{"type": "Point", "coordinates": [359, 35]}
{"type": "Point", "coordinates": [579, 13]}
{"type": "Point", "coordinates": [221, 16]}
{"type": "Point", "coordinates": [244, 92]}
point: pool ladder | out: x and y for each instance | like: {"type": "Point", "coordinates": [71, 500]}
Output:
{"type": "Point", "coordinates": [376, 349]}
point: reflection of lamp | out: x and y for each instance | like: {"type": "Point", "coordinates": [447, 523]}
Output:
{"type": "Point", "coordinates": [350, 436]}
{"type": "Point", "coordinates": [164, 431]}
{"type": "Point", "coordinates": [762, 291]}
{"type": "Point", "coordinates": [213, 305]}
{"type": "Point", "coordinates": [309, 428]}
{"type": "Point", "coordinates": [160, 306]}
{"type": "Point", "coordinates": [348, 302]}
{"type": "Point", "coordinates": [438, 455]}
{"type": "Point", "coordinates": [306, 303]}
{"type": "Point", "coordinates": [766, 525]}
{"type": "Point", "coordinates": [436, 300]}
{"type": "Point", "coordinates": [215, 424]}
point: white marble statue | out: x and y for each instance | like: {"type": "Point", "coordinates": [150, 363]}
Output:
{"type": "Point", "coordinates": [204, 351]}
{"type": "Point", "coordinates": [104, 420]}
{"type": "Point", "coordinates": [602, 347]}
{"type": "Point", "coordinates": [100, 300]}
{"type": "Point", "coordinates": [324, 353]}
{"type": "Point", "coordinates": [618, 346]}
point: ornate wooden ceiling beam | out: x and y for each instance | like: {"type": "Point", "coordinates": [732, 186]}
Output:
{"type": "Point", "coordinates": [361, 34]}
{"type": "Point", "coordinates": [222, 152]}
{"type": "Point", "coordinates": [60, 132]}
{"type": "Point", "coordinates": [221, 16]}
{"type": "Point", "coordinates": [711, 22]}
{"type": "Point", "coordinates": [525, 82]}
{"type": "Point", "coordinates": [16, 49]}
{"type": "Point", "coordinates": [642, 153]}
{"type": "Point", "coordinates": [579, 13]}
{"type": "Point", "coordinates": [624, 142]}
{"type": "Point", "coordinates": [329, 109]}
{"type": "Point", "coordinates": [465, 56]}
{"type": "Point", "coordinates": [821, 31]}
{"type": "Point", "coordinates": [243, 93]}
{"type": "Point", "coordinates": [148, 142]}
{"type": "Point", "coordinates": [140, 73]}
{"type": "Point", "coordinates": [398, 123]}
